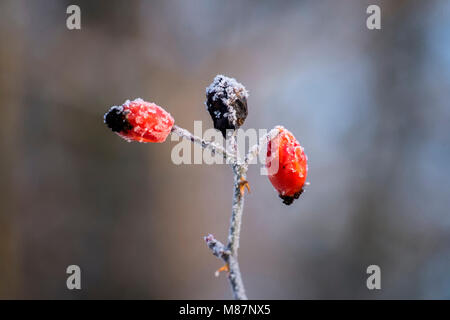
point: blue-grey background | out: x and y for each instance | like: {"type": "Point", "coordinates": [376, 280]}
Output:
{"type": "Point", "coordinates": [371, 109]}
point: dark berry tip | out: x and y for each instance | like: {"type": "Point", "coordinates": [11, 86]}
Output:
{"type": "Point", "coordinates": [116, 120]}
{"type": "Point", "coordinates": [288, 200]}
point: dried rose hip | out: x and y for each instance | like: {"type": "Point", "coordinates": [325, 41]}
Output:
{"type": "Point", "coordinates": [226, 101]}
{"type": "Point", "coordinates": [287, 165]}
{"type": "Point", "coordinates": [139, 120]}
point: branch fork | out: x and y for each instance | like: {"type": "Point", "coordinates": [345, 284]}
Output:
{"type": "Point", "coordinates": [229, 253]}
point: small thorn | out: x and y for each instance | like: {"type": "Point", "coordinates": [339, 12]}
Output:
{"type": "Point", "coordinates": [226, 268]}
{"type": "Point", "coordinates": [243, 184]}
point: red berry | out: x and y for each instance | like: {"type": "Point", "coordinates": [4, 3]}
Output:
{"type": "Point", "coordinates": [287, 165]}
{"type": "Point", "coordinates": [140, 120]}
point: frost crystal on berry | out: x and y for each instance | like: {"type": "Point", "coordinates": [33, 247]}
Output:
{"type": "Point", "coordinates": [289, 176]}
{"type": "Point", "coordinates": [140, 121]}
{"type": "Point", "coordinates": [226, 102]}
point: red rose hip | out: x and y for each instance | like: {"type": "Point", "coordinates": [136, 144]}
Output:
{"type": "Point", "coordinates": [287, 165]}
{"type": "Point", "coordinates": [139, 120]}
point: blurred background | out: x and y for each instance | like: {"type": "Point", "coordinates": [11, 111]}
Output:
{"type": "Point", "coordinates": [371, 108]}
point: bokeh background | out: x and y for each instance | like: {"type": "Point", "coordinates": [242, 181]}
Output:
{"type": "Point", "coordinates": [371, 109]}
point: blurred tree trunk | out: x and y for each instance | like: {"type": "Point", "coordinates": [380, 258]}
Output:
{"type": "Point", "coordinates": [11, 83]}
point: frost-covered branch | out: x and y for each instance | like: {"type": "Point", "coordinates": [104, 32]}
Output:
{"type": "Point", "coordinates": [234, 275]}
{"type": "Point", "coordinates": [256, 149]}
{"type": "Point", "coordinates": [215, 148]}
{"type": "Point", "coordinates": [237, 209]}
{"type": "Point", "coordinates": [227, 104]}
{"type": "Point", "coordinates": [217, 247]}
{"type": "Point", "coordinates": [229, 253]}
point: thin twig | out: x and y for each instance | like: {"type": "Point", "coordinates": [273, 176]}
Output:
{"type": "Point", "coordinates": [229, 253]}
{"type": "Point", "coordinates": [256, 149]}
{"type": "Point", "coordinates": [215, 148]}
{"type": "Point", "coordinates": [217, 247]}
{"type": "Point", "coordinates": [234, 275]}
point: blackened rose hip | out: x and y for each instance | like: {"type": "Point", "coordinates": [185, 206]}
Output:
{"type": "Point", "coordinates": [226, 101]}
{"type": "Point", "coordinates": [139, 120]}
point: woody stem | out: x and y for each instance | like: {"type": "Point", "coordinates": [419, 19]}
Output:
{"type": "Point", "coordinates": [215, 148]}
{"type": "Point", "coordinates": [234, 275]}
{"type": "Point", "coordinates": [229, 253]}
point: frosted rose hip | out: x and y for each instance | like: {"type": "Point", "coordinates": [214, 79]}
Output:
{"type": "Point", "coordinates": [287, 165]}
{"type": "Point", "coordinates": [139, 120]}
{"type": "Point", "coordinates": [226, 101]}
